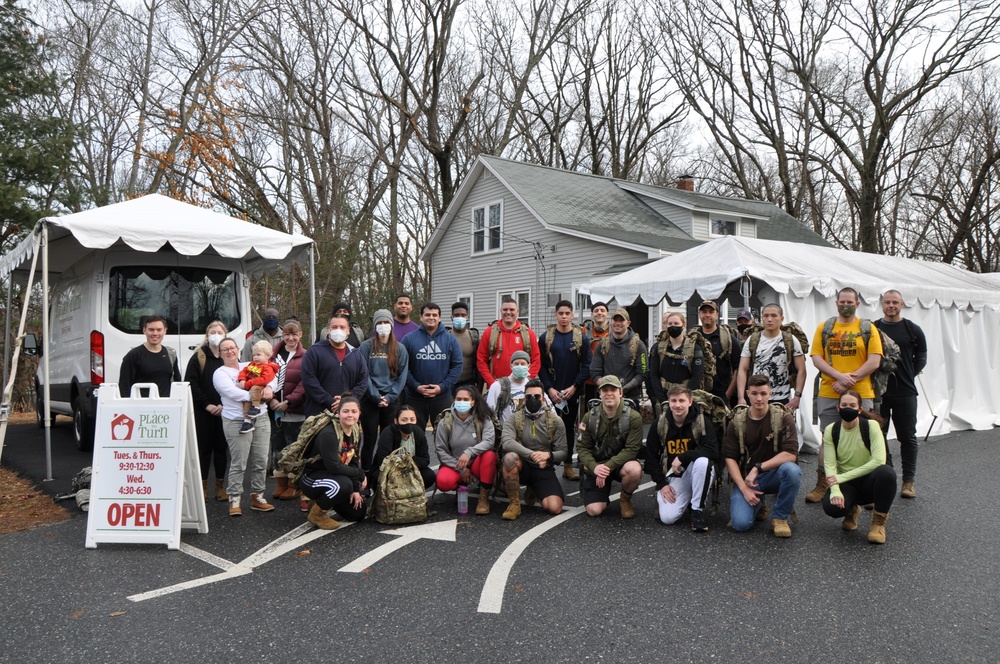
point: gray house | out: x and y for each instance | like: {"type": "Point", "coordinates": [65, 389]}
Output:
{"type": "Point", "coordinates": [538, 233]}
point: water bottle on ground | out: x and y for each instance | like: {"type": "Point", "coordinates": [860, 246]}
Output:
{"type": "Point", "coordinates": [463, 500]}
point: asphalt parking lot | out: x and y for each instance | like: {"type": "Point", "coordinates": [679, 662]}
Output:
{"type": "Point", "coordinates": [266, 587]}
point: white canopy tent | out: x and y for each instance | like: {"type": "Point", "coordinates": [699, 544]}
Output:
{"type": "Point", "coordinates": [144, 224]}
{"type": "Point", "coordinates": [959, 311]}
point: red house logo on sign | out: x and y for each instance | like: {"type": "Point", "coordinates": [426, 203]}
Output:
{"type": "Point", "coordinates": [121, 427]}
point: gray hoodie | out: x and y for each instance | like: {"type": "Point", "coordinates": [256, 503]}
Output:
{"type": "Point", "coordinates": [535, 437]}
{"type": "Point", "coordinates": [618, 362]}
{"type": "Point", "coordinates": [462, 439]}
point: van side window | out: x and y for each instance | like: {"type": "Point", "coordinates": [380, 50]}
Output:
{"type": "Point", "coordinates": [189, 298]}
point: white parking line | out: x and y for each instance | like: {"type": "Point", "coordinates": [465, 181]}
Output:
{"type": "Point", "coordinates": [299, 536]}
{"type": "Point", "coordinates": [491, 599]}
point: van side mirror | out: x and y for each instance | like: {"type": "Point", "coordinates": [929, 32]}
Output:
{"type": "Point", "coordinates": [30, 346]}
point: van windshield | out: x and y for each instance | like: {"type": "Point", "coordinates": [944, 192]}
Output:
{"type": "Point", "coordinates": [188, 297]}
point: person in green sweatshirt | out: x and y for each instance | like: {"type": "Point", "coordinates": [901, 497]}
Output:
{"type": "Point", "coordinates": [855, 467]}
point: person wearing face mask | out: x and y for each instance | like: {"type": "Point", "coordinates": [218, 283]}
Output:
{"type": "Point", "coordinates": [333, 368]}
{"type": "Point", "coordinates": [668, 363]}
{"type": "Point", "coordinates": [855, 467]}
{"type": "Point", "coordinates": [846, 357]}
{"type": "Point", "coordinates": [403, 432]}
{"type": "Point", "coordinates": [388, 363]}
{"type": "Point", "coordinates": [212, 445]}
{"type": "Point", "coordinates": [468, 338]}
{"type": "Point", "coordinates": [269, 331]}
{"type": "Point", "coordinates": [533, 443]}
{"type": "Point", "coordinates": [463, 438]}
{"type": "Point", "coordinates": [355, 334]}
{"type": "Point", "coordinates": [744, 323]}
{"type": "Point", "coordinates": [506, 394]}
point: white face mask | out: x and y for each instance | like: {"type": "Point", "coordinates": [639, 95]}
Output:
{"type": "Point", "coordinates": [215, 339]}
{"type": "Point", "coordinates": [383, 329]}
{"type": "Point", "coordinates": [338, 336]}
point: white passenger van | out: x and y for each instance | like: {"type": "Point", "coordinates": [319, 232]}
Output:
{"type": "Point", "coordinates": [99, 305]}
{"type": "Point", "coordinates": [112, 267]}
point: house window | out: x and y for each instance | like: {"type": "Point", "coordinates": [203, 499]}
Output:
{"type": "Point", "coordinates": [487, 227]}
{"type": "Point", "coordinates": [523, 299]}
{"type": "Point", "coordinates": [723, 227]}
{"type": "Point", "coordinates": [582, 303]}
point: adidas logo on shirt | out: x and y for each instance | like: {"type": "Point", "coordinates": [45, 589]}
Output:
{"type": "Point", "coordinates": [431, 352]}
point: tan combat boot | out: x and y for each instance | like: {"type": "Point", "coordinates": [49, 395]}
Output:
{"type": "Point", "coordinates": [876, 534]}
{"type": "Point", "coordinates": [514, 508]}
{"type": "Point", "coordinates": [851, 520]}
{"type": "Point", "coordinates": [781, 528]}
{"type": "Point", "coordinates": [625, 505]}
{"type": "Point", "coordinates": [319, 518]}
{"type": "Point", "coordinates": [483, 506]}
{"type": "Point", "coordinates": [220, 490]}
{"type": "Point", "coordinates": [907, 491]}
{"type": "Point", "coordinates": [816, 495]}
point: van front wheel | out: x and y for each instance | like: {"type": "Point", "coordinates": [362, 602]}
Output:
{"type": "Point", "coordinates": [83, 426]}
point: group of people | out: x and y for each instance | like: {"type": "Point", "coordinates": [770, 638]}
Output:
{"type": "Point", "coordinates": [508, 407]}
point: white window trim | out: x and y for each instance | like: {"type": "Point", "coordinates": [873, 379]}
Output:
{"type": "Point", "coordinates": [514, 292]}
{"type": "Point", "coordinates": [472, 305]}
{"type": "Point", "coordinates": [579, 315]}
{"type": "Point", "coordinates": [719, 217]}
{"type": "Point", "coordinates": [486, 229]}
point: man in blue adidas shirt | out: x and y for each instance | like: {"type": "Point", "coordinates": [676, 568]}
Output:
{"type": "Point", "coordinates": [435, 365]}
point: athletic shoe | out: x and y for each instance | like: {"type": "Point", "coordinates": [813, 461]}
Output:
{"type": "Point", "coordinates": [247, 427]}
{"type": "Point", "coordinates": [234, 506]}
{"type": "Point", "coordinates": [698, 523]}
{"type": "Point", "coordinates": [253, 412]}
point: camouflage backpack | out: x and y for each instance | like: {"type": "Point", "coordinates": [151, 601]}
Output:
{"type": "Point", "coordinates": [738, 416]}
{"type": "Point", "coordinates": [633, 347]}
{"type": "Point", "coordinates": [890, 353]}
{"type": "Point", "coordinates": [693, 339]}
{"type": "Point", "coordinates": [400, 497]}
{"type": "Point", "coordinates": [293, 460]}
{"type": "Point", "coordinates": [663, 427]}
{"type": "Point", "coordinates": [714, 407]}
{"type": "Point", "coordinates": [788, 330]}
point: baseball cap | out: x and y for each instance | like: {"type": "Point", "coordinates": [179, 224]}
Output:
{"type": "Point", "coordinates": [710, 304]}
{"type": "Point", "coordinates": [623, 312]}
{"type": "Point", "coordinates": [610, 380]}
{"type": "Point", "coordinates": [744, 313]}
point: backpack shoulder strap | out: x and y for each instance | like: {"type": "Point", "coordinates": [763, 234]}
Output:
{"type": "Point", "coordinates": [866, 331]}
{"type": "Point", "coordinates": [623, 423]}
{"type": "Point", "coordinates": [172, 353]}
{"type": "Point", "coordinates": [633, 347]}
{"type": "Point", "coordinates": [740, 426]}
{"type": "Point", "coordinates": [494, 340]}
{"type": "Point", "coordinates": [777, 425]}
{"type": "Point", "coordinates": [519, 423]}
{"type": "Point", "coordinates": [752, 344]}
{"type": "Point", "coordinates": [474, 334]}
{"type": "Point", "coordinates": [827, 333]}
{"type": "Point", "coordinates": [835, 434]}
{"type": "Point", "coordinates": [605, 345]}
{"type": "Point", "coordinates": [866, 432]}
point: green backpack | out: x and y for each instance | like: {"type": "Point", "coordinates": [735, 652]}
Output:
{"type": "Point", "coordinates": [400, 497]}
{"type": "Point", "coordinates": [293, 460]}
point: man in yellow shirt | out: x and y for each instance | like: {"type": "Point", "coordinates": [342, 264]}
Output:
{"type": "Point", "coordinates": [846, 351]}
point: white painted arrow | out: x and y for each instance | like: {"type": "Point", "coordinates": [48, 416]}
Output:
{"type": "Point", "coordinates": [442, 530]}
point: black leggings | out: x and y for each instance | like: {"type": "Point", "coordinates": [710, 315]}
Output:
{"type": "Point", "coordinates": [333, 492]}
{"type": "Point", "coordinates": [373, 420]}
{"type": "Point", "coordinates": [212, 445]}
{"type": "Point", "coordinates": [878, 486]}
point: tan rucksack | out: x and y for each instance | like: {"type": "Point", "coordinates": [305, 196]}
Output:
{"type": "Point", "coordinates": [399, 497]}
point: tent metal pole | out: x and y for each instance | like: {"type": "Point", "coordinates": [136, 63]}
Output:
{"type": "Point", "coordinates": [16, 354]}
{"type": "Point", "coordinates": [312, 291]}
{"type": "Point", "coordinates": [6, 337]}
{"type": "Point", "coordinates": [45, 355]}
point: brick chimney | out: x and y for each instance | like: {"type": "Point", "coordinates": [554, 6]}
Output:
{"type": "Point", "coordinates": [685, 182]}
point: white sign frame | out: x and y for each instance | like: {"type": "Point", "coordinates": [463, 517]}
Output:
{"type": "Point", "coordinates": [145, 485]}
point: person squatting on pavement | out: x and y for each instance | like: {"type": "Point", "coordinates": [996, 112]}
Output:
{"type": "Point", "coordinates": [336, 481]}
{"type": "Point", "coordinates": [534, 443]}
{"type": "Point", "coordinates": [761, 450]}
{"type": "Point", "coordinates": [681, 451]}
{"type": "Point", "coordinates": [403, 433]}
{"type": "Point", "coordinates": [899, 401]}
{"type": "Point", "coordinates": [463, 438]}
{"type": "Point", "coordinates": [608, 450]}
{"type": "Point", "coordinates": [857, 473]}
{"type": "Point", "coordinates": [565, 369]}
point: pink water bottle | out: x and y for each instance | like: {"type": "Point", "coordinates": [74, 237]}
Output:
{"type": "Point", "coordinates": [463, 499]}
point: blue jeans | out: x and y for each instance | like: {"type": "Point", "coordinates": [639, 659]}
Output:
{"type": "Point", "coordinates": [783, 481]}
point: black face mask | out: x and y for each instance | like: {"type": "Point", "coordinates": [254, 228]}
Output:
{"type": "Point", "coordinates": [743, 328]}
{"type": "Point", "coordinates": [407, 429]}
{"type": "Point", "coordinates": [675, 331]}
{"type": "Point", "coordinates": [849, 414]}
{"type": "Point", "coordinates": [532, 403]}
